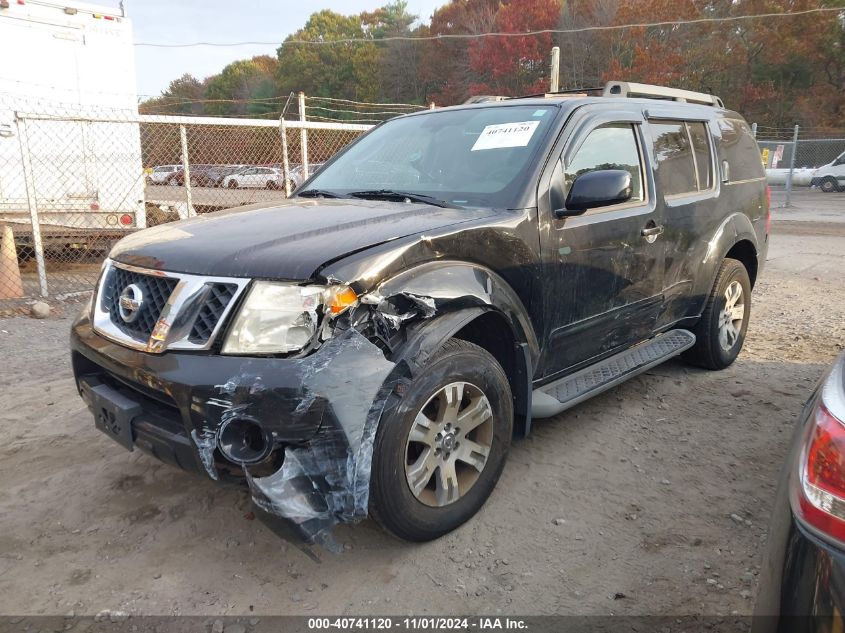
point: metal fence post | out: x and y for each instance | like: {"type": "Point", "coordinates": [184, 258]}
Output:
{"type": "Point", "coordinates": [754, 130]}
{"type": "Point", "coordinates": [303, 137]}
{"type": "Point", "coordinates": [554, 80]}
{"type": "Point", "coordinates": [285, 159]}
{"type": "Point", "coordinates": [186, 172]}
{"type": "Point", "coordinates": [788, 201]}
{"type": "Point", "coordinates": [32, 202]}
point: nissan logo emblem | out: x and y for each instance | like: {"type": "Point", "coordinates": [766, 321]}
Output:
{"type": "Point", "coordinates": [130, 302]}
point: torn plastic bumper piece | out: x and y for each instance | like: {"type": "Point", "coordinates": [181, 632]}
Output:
{"type": "Point", "coordinates": [327, 481]}
{"type": "Point", "coordinates": [320, 414]}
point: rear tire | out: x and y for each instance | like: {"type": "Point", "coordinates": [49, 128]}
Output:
{"type": "Point", "coordinates": [720, 333]}
{"type": "Point", "coordinates": [232, 184]}
{"type": "Point", "coordinates": [463, 385]}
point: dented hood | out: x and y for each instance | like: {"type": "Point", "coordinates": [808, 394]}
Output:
{"type": "Point", "coordinates": [290, 240]}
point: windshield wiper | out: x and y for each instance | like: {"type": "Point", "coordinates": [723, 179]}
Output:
{"type": "Point", "coordinates": [319, 193]}
{"type": "Point", "coordinates": [391, 194]}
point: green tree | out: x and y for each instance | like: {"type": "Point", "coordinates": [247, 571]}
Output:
{"type": "Point", "coordinates": [244, 87]}
{"type": "Point", "coordinates": [183, 96]}
{"type": "Point", "coordinates": [399, 61]}
{"type": "Point", "coordinates": [347, 70]}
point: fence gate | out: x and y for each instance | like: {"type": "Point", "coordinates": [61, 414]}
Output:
{"type": "Point", "coordinates": [73, 184]}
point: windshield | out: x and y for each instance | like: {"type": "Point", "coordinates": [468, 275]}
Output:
{"type": "Point", "coordinates": [469, 157]}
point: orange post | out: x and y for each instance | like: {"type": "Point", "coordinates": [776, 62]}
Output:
{"type": "Point", "coordinates": [11, 286]}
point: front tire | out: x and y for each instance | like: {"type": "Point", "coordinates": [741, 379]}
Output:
{"type": "Point", "coordinates": [438, 455]}
{"type": "Point", "coordinates": [720, 333]}
{"type": "Point", "coordinates": [232, 184]}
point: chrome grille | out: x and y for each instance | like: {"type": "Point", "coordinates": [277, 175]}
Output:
{"type": "Point", "coordinates": [177, 311]}
{"type": "Point", "coordinates": [156, 291]}
{"type": "Point", "coordinates": [219, 296]}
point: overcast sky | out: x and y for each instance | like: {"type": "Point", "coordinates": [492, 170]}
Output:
{"type": "Point", "coordinates": [224, 20]}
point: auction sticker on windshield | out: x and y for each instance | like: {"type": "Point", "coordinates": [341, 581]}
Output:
{"type": "Point", "coordinates": [506, 135]}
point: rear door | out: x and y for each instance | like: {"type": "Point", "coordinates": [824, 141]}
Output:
{"type": "Point", "coordinates": [683, 157]}
{"type": "Point", "coordinates": [603, 274]}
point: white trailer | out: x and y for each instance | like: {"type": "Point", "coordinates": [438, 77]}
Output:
{"type": "Point", "coordinates": [70, 147]}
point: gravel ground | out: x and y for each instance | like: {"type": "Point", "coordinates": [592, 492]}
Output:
{"type": "Point", "coordinates": [652, 498]}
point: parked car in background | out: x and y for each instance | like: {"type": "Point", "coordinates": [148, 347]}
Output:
{"type": "Point", "coordinates": [254, 178]}
{"type": "Point", "coordinates": [831, 177]}
{"type": "Point", "coordinates": [197, 172]}
{"type": "Point", "coordinates": [214, 176]}
{"type": "Point", "coordinates": [160, 174]}
{"type": "Point", "coordinates": [802, 580]}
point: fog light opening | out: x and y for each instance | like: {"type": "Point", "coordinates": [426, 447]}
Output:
{"type": "Point", "coordinates": [243, 441]}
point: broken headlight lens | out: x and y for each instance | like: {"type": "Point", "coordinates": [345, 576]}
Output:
{"type": "Point", "coordinates": [275, 318]}
{"type": "Point", "coordinates": [278, 318]}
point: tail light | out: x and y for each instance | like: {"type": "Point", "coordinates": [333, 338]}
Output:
{"type": "Point", "coordinates": [768, 209]}
{"type": "Point", "coordinates": [818, 490]}
{"type": "Point", "coordinates": [126, 219]}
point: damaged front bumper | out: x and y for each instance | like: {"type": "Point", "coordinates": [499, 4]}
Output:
{"type": "Point", "coordinates": [319, 415]}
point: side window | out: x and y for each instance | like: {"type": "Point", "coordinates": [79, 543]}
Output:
{"type": "Point", "coordinates": [673, 155]}
{"type": "Point", "coordinates": [739, 148]}
{"type": "Point", "coordinates": [701, 151]}
{"type": "Point", "coordinates": [683, 156]}
{"type": "Point", "coordinates": [611, 146]}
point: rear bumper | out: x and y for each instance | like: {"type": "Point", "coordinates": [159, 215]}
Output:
{"type": "Point", "coordinates": [812, 593]}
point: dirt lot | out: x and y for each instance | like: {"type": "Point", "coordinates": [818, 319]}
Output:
{"type": "Point", "coordinates": [623, 505]}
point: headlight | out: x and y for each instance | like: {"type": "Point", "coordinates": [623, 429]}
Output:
{"type": "Point", "coordinates": [278, 318]}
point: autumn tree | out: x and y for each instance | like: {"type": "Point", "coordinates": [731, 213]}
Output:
{"type": "Point", "coordinates": [515, 65]}
{"type": "Point", "coordinates": [446, 69]}
{"type": "Point", "coordinates": [584, 54]}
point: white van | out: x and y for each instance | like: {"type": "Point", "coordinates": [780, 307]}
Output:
{"type": "Point", "coordinates": [830, 177]}
{"type": "Point", "coordinates": [70, 140]}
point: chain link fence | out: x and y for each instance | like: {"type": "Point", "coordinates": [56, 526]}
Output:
{"type": "Point", "coordinates": [74, 180]}
{"type": "Point", "coordinates": [805, 165]}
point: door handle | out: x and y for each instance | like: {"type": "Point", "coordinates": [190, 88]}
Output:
{"type": "Point", "coordinates": [652, 231]}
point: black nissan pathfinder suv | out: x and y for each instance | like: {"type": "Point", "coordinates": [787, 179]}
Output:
{"type": "Point", "coordinates": [371, 345]}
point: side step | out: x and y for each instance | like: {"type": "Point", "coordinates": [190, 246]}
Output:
{"type": "Point", "coordinates": [558, 396]}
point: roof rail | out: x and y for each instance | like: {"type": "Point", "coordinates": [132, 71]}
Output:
{"type": "Point", "coordinates": [629, 89]}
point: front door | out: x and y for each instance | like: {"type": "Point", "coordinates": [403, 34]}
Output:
{"type": "Point", "coordinates": [606, 264]}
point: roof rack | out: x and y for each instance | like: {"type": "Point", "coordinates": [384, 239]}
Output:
{"type": "Point", "coordinates": [629, 89]}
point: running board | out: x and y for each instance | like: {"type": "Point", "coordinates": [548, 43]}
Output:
{"type": "Point", "coordinates": [558, 396]}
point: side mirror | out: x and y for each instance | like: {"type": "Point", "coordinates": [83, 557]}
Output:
{"type": "Point", "coordinates": [595, 189]}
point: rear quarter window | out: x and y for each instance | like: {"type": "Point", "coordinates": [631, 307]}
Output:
{"type": "Point", "coordinates": [740, 150]}
{"type": "Point", "coordinates": [673, 154]}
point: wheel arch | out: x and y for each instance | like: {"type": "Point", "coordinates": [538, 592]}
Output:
{"type": "Point", "coordinates": [488, 328]}
{"type": "Point", "coordinates": [472, 303]}
{"type": "Point", "coordinates": [745, 252]}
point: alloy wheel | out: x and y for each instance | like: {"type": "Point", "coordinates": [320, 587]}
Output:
{"type": "Point", "coordinates": [448, 444]}
{"type": "Point", "coordinates": [732, 316]}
